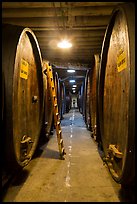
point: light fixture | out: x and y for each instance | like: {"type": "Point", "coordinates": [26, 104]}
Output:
{"type": "Point", "coordinates": [73, 88]}
{"type": "Point", "coordinates": [64, 44]}
{"type": "Point", "coordinates": [70, 70]}
{"type": "Point", "coordinates": [72, 81]}
{"type": "Point", "coordinates": [74, 85]}
{"type": "Point", "coordinates": [63, 32]}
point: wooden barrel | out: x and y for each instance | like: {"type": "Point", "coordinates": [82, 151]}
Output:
{"type": "Point", "coordinates": [62, 99]}
{"type": "Point", "coordinates": [23, 102]}
{"type": "Point", "coordinates": [48, 120]}
{"type": "Point", "coordinates": [78, 101]}
{"type": "Point", "coordinates": [86, 95]}
{"type": "Point", "coordinates": [117, 94]}
{"type": "Point", "coordinates": [57, 88]}
{"type": "Point", "coordinates": [68, 102]}
{"type": "Point", "coordinates": [93, 98]}
{"type": "Point", "coordinates": [3, 116]}
{"type": "Point", "coordinates": [87, 99]}
{"type": "Point", "coordinates": [3, 96]}
{"type": "Point", "coordinates": [81, 97]}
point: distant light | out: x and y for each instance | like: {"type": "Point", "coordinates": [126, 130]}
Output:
{"type": "Point", "coordinates": [70, 70]}
{"type": "Point", "coordinates": [72, 81]}
{"type": "Point", "coordinates": [74, 85]}
{"type": "Point", "coordinates": [64, 44]}
{"type": "Point", "coordinates": [74, 88]}
{"type": "Point", "coordinates": [74, 91]}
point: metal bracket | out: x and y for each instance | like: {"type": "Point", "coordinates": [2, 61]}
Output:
{"type": "Point", "coordinates": [115, 151]}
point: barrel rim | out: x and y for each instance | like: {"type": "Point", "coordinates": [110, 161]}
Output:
{"type": "Point", "coordinates": [9, 68]}
{"type": "Point", "coordinates": [36, 48]}
{"type": "Point", "coordinates": [125, 9]}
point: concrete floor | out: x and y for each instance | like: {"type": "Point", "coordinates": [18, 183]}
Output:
{"type": "Point", "coordinates": [82, 176]}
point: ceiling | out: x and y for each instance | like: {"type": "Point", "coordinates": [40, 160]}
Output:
{"type": "Point", "coordinates": [83, 23]}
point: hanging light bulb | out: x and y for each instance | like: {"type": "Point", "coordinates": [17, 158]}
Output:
{"type": "Point", "coordinates": [72, 81]}
{"type": "Point", "coordinates": [64, 44]}
{"type": "Point", "coordinates": [71, 70]}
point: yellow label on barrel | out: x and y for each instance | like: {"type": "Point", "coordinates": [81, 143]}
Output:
{"type": "Point", "coordinates": [121, 61]}
{"type": "Point", "coordinates": [24, 69]}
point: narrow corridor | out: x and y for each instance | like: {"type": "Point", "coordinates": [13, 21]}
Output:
{"type": "Point", "coordinates": [82, 176]}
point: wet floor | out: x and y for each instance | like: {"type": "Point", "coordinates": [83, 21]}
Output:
{"type": "Point", "coordinates": [82, 176]}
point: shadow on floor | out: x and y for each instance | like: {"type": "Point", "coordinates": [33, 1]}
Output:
{"type": "Point", "coordinates": [52, 154]}
{"type": "Point", "coordinates": [15, 180]}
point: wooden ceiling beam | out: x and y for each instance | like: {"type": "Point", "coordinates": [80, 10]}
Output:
{"type": "Point", "coordinates": [86, 52]}
{"type": "Point", "coordinates": [41, 30]}
{"type": "Point", "coordinates": [71, 34]}
{"type": "Point", "coordinates": [82, 47]}
{"type": "Point", "coordinates": [57, 4]}
{"type": "Point", "coordinates": [73, 40]}
{"type": "Point", "coordinates": [84, 28]}
{"type": "Point", "coordinates": [77, 39]}
{"type": "Point", "coordinates": [66, 65]}
{"type": "Point", "coordinates": [75, 43]}
{"type": "Point", "coordinates": [51, 12]}
{"type": "Point", "coordinates": [80, 22]}
{"type": "Point", "coordinates": [67, 60]}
